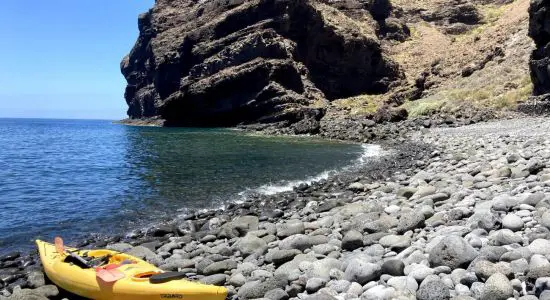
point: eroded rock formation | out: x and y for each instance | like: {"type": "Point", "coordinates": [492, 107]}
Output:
{"type": "Point", "coordinates": [225, 62]}
{"type": "Point", "coordinates": [539, 30]}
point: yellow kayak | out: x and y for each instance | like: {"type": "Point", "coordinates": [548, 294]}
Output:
{"type": "Point", "coordinates": [135, 284]}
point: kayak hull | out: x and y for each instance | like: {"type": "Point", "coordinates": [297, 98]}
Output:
{"type": "Point", "coordinates": [134, 286]}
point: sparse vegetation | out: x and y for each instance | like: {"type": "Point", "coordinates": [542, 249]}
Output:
{"type": "Point", "coordinates": [512, 97]}
{"type": "Point", "coordinates": [489, 96]}
{"type": "Point", "coordinates": [423, 107]}
{"type": "Point", "coordinates": [360, 105]}
{"type": "Point", "coordinates": [500, 84]}
{"type": "Point", "coordinates": [491, 14]}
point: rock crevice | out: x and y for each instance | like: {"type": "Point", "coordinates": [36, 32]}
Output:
{"type": "Point", "coordinates": [539, 30]}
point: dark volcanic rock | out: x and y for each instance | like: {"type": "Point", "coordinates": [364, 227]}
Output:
{"type": "Point", "coordinates": [228, 62]}
{"type": "Point", "coordinates": [10, 256]}
{"type": "Point", "coordinates": [539, 30]}
{"type": "Point", "coordinates": [458, 11]}
{"type": "Point", "coordinates": [380, 9]}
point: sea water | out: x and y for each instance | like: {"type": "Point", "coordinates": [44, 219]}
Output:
{"type": "Point", "coordinates": [76, 177]}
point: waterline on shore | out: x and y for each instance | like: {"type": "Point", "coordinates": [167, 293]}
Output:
{"type": "Point", "coordinates": [369, 152]}
{"type": "Point", "coordinates": [110, 179]}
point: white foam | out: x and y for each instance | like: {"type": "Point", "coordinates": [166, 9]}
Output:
{"type": "Point", "coordinates": [271, 189]}
{"type": "Point", "coordinates": [369, 152]}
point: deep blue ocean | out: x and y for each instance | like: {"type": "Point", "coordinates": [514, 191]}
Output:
{"type": "Point", "coordinates": [76, 177]}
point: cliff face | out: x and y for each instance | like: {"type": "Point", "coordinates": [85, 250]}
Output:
{"type": "Point", "coordinates": [539, 30]}
{"type": "Point", "coordinates": [225, 62]}
{"type": "Point", "coordinates": [291, 63]}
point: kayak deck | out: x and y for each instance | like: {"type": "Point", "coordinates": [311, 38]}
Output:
{"type": "Point", "coordinates": [134, 285]}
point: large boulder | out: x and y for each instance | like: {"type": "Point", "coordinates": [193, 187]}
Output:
{"type": "Point", "coordinates": [257, 289]}
{"type": "Point", "coordinates": [484, 220]}
{"type": "Point", "coordinates": [433, 289]}
{"type": "Point", "coordinates": [240, 226]}
{"type": "Point", "coordinates": [290, 228]}
{"type": "Point", "coordinates": [362, 272]}
{"type": "Point", "coordinates": [410, 220]}
{"type": "Point", "coordinates": [393, 267]}
{"type": "Point", "coordinates": [279, 257]}
{"type": "Point", "coordinates": [497, 287]}
{"type": "Point", "coordinates": [322, 268]}
{"type": "Point", "coordinates": [250, 244]}
{"type": "Point", "coordinates": [302, 241]}
{"type": "Point", "coordinates": [452, 251]}
{"type": "Point", "coordinates": [352, 240]}
{"type": "Point", "coordinates": [291, 268]}
{"type": "Point", "coordinates": [220, 267]}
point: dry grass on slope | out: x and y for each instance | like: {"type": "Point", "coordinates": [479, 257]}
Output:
{"type": "Point", "coordinates": [429, 44]}
{"type": "Point", "coordinates": [500, 84]}
{"type": "Point", "coordinates": [344, 25]}
{"type": "Point", "coordinates": [489, 96]}
{"type": "Point", "coordinates": [359, 105]}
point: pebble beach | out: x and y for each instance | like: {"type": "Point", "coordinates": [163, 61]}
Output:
{"type": "Point", "coordinates": [452, 213]}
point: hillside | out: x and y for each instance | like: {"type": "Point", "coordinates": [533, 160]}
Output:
{"type": "Point", "coordinates": [469, 54]}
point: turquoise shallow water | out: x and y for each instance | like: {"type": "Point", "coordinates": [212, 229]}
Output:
{"type": "Point", "coordinates": [75, 177]}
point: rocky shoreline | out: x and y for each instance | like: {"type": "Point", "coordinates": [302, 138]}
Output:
{"type": "Point", "coordinates": [456, 213]}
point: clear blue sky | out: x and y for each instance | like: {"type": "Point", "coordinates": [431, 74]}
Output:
{"type": "Point", "coordinates": [60, 58]}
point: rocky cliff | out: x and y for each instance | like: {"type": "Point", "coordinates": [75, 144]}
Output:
{"type": "Point", "coordinates": [539, 30]}
{"type": "Point", "coordinates": [303, 65]}
{"type": "Point", "coordinates": [225, 62]}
